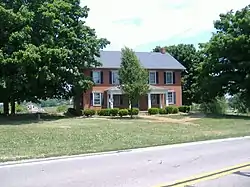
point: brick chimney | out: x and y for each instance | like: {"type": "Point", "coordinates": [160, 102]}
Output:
{"type": "Point", "coordinates": [163, 50]}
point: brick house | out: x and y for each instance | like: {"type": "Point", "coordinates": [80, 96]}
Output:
{"type": "Point", "coordinates": [164, 80]}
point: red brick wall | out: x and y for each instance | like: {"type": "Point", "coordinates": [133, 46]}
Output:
{"type": "Point", "coordinates": [143, 101]}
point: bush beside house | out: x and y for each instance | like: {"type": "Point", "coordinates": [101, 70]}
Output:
{"type": "Point", "coordinates": [135, 111]}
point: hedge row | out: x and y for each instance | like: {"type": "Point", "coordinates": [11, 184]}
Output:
{"type": "Point", "coordinates": [169, 110]}
{"type": "Point", "coordinates": [125, 112]}
{"type": "Point", "coordinates": [104, 112]}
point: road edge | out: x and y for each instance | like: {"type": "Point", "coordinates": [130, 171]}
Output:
{"type": "Point", "coordinates": [59, 158]}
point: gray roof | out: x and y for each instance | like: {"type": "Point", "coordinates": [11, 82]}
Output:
{"type": "Point", "coordinates": [149, 60]}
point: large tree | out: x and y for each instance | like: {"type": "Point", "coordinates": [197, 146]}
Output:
{"type": "Point", "coordinates": [47, 46]}
{"type": "Point", "coordinates": [191, 59]}
{"type": "Point", "coordinates": [133, 77]}
{"type": "Point", "coordinates": [227, 65]}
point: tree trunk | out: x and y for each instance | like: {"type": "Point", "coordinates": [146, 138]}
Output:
{"type": "Point", "coordinates": [131, 108]}
{"type": "Point", "coordinates": [13, 107]}
{"type": "Point", "coordinates": [77, 104]}
{"type": "Point", "coordinates": [6, 108]}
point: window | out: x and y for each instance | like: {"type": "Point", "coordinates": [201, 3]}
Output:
{"type": "Point", "coordinates": [97, 99]}
{"type": "Point", "coordinates": [115, 77]}
{"type": "Point", "coordinates": [97, 77]}
{"type": "Point", "coordinates": [152, 77]}
{"type": "Point", "coordinates": [169, 77]}
{"type": "Point", "coordinates": [170, 97]}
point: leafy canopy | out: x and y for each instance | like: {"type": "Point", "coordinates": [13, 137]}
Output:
{"type": "Point", "coordinates": [45, 47]}
{"type": "Point", "coordinates": [227, 65]}
{"type": "Point", "coordinates": [133, 77]}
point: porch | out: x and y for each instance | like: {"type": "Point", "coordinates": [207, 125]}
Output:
{"type": "Point", "coordinates": [157, 97]}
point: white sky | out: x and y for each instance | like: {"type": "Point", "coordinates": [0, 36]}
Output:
{"type": "Point", "coordinates": [139, 22]}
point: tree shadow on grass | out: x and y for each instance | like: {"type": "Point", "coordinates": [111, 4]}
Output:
{"type": "Point", "coordinates": [227, 116]}
{"type": "Point", "coordinates": [25, 119]}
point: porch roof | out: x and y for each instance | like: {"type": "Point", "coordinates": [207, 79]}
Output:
{"type": "Point", "coordinates": [153, 89]}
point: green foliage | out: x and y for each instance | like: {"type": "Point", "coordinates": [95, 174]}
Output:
{"type": "Point", "coordinates": [162, 111]}
{"type": "Point", "coordinates": [226, 68]}
{"type": "Point", "coordinates": [104, 112]}
{"type": "Point", "coordinates": [21, 108]}
{"type": "Point", "coordinates": [175, 110]}
{"type": "Point", "coordinates": [133, 77]}
{"type": "Point", "coordinates": [195, 107]}
{"type": "Point", "coordinates": [123, 112]}
{"type": "Point", "coordinates": [191, 59]}
{"type": "Point", "coordinates": [184, 109]}
{"type": "Point", "coordinates": [238, 104]}
{"type": "Point", "coordinates": [114, 111]}
{"type": "Point", "coordinates": [73, 112]}
{"type": "Point", "coordinates": [44, 47]}
{"type": "Point", "coordinates": [169, 109]}
{"type": "Point", "coordinates": [62, 108]}
{"type": "Point", "coordinates": [54, 102]}
{"type": "Point", "coordinates": [153, 111]}
{"type": "Point", "coordinates": [135, 111]}
{"type": "Point", "coordinates": [217, 106]}
{"type": "Point", "coordinates": [89, 112]}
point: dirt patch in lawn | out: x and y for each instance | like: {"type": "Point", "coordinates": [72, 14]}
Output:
{"type": "Point", "coordinates": [184, 120]}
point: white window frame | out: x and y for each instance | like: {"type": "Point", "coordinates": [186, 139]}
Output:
{"type": "Point", "coordinates": [100, 99]}
{"type": "Point", "coordinates": [172, 81]}
{"type": "Point", "coordinates": [113, 80]}
{"type": "Point", "coordinates": [99, 77]}
{"type": "Point", "coordinates": [172, 93]}
{"type": "Point", "coordinates": [154, 79]}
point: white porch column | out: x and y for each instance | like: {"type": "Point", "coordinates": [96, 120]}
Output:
{"type": "Point", "coordinates": [108, 100]}
{"type": "Point", "coordinates": [166, 98]}
{"type": "Point", "coordinates": [149, 100]}
{"type": "Point", "coordinates": [111, 101]}
{"type": "Point", "coordinates": [160, 95]}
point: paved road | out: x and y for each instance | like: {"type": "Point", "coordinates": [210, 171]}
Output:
{"type": "Point", "coordinates": [237, 179]}
{"type": "Point", "coordinates": [140, 168]}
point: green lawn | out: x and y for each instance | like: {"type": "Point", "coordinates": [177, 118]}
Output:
{"type": "Point", "coordinates": [22, 138]}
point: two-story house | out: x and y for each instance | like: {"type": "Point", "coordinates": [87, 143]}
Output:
{"type": "Point", "coordinates": [164, 79]}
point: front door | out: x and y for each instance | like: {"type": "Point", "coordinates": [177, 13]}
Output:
{"type": "Point", "coordinates": [136, 105]}
{"type": "Point", "coordinates": [155, 99]}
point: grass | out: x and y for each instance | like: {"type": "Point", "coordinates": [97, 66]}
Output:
{"type": "Point", "coordinates": [175, 116]}
{"type": "Point", "coordinates": [23, 138]}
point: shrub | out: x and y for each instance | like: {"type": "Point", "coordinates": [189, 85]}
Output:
{"type": "Point", "coordinates": [114, 111]}
{"type": "Point", "coordinates": [135, 111]}
{"type": "Point", "coordinates": [184, 109]}
{"type": "Point", "coordinates": [162, 111]}
{"type": "Point", "coordinates": [175, 110]}
{"type": "Point", "coordinates": [188, 108]}
{"type": "Point", "coordinates": [169, 109]}
{"type": "Point", "coordinates": [217, 106]}
{"type": "Point", "coordinates": [21, 108]}
{"type": "Point", "coordinates": [73, 112]}
{"type": "Point", "coordinates": [153, 111]}
{"type": "Point", "coordinates": [89, 112]}
{"type": "Point", "coordinates": [123, 112]}
{"type": "Point", "coordinates": [104, 112]}
{"type": "Point", "coordinates": [61, 109]}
